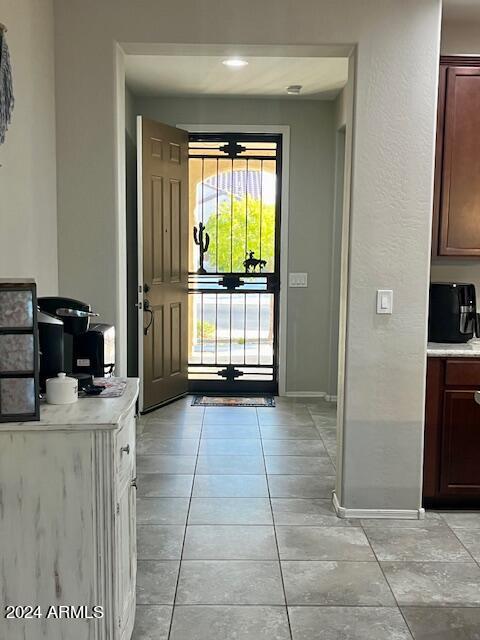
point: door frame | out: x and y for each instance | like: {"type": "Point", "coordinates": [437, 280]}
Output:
{"type": "Point", "coordinates": [139, 303]}
{"type": "Point", "coordinates": [284, 131]}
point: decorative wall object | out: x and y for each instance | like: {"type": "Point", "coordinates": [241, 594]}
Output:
{"type": "Point", "coordinates": [251, 263]}
{"type": "Point", "coordinates": [19, 357]}
{"type": "Point", "coordinates": [6, 85]}
{"type": "Point", "coordinates": [202, 239]}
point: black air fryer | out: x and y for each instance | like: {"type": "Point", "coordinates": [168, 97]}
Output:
{"type": "Point", "coordinates": [452, 312]}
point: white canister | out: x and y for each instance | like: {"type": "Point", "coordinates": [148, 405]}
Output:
{"type": "Point", "coordinates": [62, 389]}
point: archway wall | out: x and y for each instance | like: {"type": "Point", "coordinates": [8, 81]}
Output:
{"type": "Point", "coordinates": [392, 147]}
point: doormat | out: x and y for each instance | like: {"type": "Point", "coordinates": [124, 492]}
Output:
{"type": "Point", "coordinates": [230, 401]}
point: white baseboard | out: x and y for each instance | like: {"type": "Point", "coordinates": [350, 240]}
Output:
{"type": "Point", "coordinates": [305, 394]}
{"type": "Point", "coordinates": [387, 514]}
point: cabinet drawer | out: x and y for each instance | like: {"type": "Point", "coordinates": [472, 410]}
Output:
{"type": "Point", "coordinates": [124, 449]}
{"type": "Point", "coordinates": [461, 372]}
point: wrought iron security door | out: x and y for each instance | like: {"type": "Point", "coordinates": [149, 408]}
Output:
{"type": "Point", "coordinates": [234, 262]}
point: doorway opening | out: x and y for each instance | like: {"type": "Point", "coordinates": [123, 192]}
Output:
{"type": "Point", "coordinates": [262, 331]}
{"type": "Point", "coordinates": [234, 262]}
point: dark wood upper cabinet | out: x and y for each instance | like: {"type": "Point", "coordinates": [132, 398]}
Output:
{"type": "Point", "coordinates": [456, 221]}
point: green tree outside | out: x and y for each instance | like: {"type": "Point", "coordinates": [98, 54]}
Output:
{"type": "Point", "coordinates": [239, 232]}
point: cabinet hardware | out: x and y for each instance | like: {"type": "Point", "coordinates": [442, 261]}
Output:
{"type": "Point", "coordinates": [125, 449]}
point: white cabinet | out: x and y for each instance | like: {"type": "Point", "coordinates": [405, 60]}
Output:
{"type": "Point", "coordinates": [125, 535]}
{"type": "Point", "coordinates": [67, 521]}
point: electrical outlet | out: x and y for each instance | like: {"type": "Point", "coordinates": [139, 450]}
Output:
{"type": "Point", "coordinates": [298, 279]}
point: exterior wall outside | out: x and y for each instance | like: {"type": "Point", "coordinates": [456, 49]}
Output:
{"type": "Point", "coordinates": [396, 58]}
{"type": "Point", "coordinates": [310, 212]}
{"type": "Point", "coordinates": [28, 200]}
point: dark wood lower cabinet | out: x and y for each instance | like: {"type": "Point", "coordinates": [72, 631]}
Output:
{"type": "Point", "coordinates": [452, 434]}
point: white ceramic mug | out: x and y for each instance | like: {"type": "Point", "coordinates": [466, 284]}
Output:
{"type": "Point", "coordinates": [62, 389]}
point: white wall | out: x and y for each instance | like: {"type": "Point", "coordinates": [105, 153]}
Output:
{"type": "Point", "coordinates": [340, 122]}
{"type": "Point", "coordinates": [28, 200]}
{"type": "Point", "coordinates": [310, 212]}
{"type": "Point", "coordinates": [382, 398]}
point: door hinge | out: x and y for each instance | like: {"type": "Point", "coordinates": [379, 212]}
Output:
{"type": "Point", "coordinates": [118, 508]}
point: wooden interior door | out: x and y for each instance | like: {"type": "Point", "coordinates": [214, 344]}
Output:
{"type": "Point", "coordinates": [162, 155]}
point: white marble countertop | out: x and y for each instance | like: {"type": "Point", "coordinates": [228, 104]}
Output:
{"type": "Point", "coordinates": [469, 349]}
{"type": "Point", "coordinates": [86, 414]}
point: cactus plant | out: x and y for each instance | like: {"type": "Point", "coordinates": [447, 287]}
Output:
{"type": "Point", "coordinates": [202, 239]}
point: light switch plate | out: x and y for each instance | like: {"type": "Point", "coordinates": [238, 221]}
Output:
{"type": "Point", "coordinates": [298, 279]}
{"type": "Point", "coordinates": [384, 301]}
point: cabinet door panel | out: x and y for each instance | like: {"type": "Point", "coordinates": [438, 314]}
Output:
{"type": "Point", "coordinates": [437, 193]}
{"type": "Point", "coordinates": [460, 197]}
{"type": "Point", "coordinates": [460, 458]}
{"type": "Point", "coordinates": [125, 554]}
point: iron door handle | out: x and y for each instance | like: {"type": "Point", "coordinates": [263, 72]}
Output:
{"type": "Point", "coordinates": [146, 309]}
{"type": "Point", "coordinates": [125, 449]}
{"type": "Point", "coordinates": [133, 483]}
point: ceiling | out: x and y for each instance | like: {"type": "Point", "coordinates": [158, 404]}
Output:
{"type": "Point", "coordinates": [150, 75]}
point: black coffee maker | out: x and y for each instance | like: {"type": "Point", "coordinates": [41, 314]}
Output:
{"type": "Point", "coordinates": [77, 348]}
{"type": "Point", "coordinates": [452, 312]}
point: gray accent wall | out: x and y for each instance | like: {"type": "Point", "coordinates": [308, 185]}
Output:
{"type": "Point", "coordinates": [312, 157]}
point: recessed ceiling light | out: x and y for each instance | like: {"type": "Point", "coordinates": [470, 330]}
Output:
{"type": "Point", "coordinates": [235, 62]}
{"type": "Point", "coordinates": [294, 89]}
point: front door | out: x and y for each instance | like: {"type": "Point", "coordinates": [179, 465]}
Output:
{"type": "Point", "coordinates": [234, 283]}
{"type": "Point", "coordinates": [162, 157]}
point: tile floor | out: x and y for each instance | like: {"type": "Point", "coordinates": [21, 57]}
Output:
{"type": "Point", "coordinates": [237, 539]}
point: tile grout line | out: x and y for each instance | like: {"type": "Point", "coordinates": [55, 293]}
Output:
{"type": "Point", "coordinates": [174, 603]}
{"type": "Point", "coordinates": [334, 463]}
{"type": "Point", "coordinates": [463, 545]}
{"type": "Point", "coordinates": [276, 540]}
{"type": "Point", "coordinates": [387, 581]}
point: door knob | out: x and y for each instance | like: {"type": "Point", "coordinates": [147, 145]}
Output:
{"type": "Point", "coordinates": [125, 449]}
